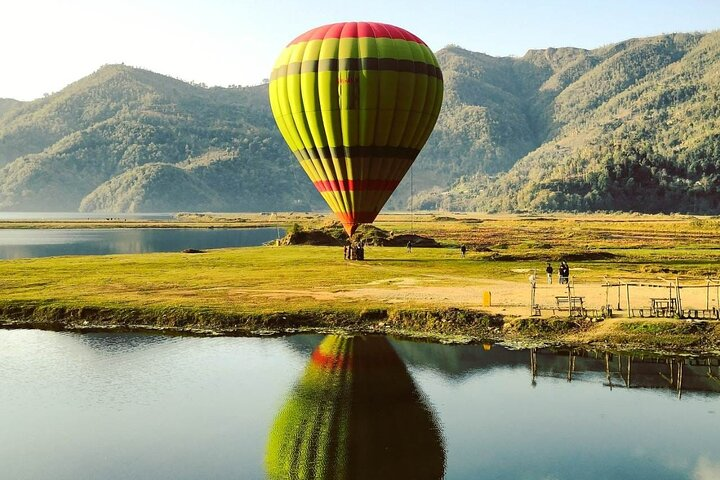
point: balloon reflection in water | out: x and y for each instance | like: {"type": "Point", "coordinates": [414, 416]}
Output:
{"type": "Point", "coordinates": [355, 413]}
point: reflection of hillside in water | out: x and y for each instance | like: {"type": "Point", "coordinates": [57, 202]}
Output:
{"type": "Point", "coordinates": [355, 413]}
{"type": "Point", "coordinates": [303, 344]}
{"type": "Point", "coordinates": [458, 361]}
{"type": "Point", "coordinates": [690, 374]}
{"type": "Point", "coordinates": [112, 343]}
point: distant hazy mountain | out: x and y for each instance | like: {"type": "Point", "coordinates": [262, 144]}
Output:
{"type": "Point", "coordinates": [7, 104]}
{"type": "Point", "coordinates": [631, 126]}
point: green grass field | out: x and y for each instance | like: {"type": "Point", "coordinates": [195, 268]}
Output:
{"type": "Point", "coordinates": [263, 281]}
{"type": "Point", "coordinates": [245, 279]}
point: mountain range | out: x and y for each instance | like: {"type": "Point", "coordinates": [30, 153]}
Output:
{"type": "Point", "coordinates": [629, 126]}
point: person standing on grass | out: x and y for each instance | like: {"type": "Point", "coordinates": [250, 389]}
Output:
{"type": "Point", "coordinates": [409, 246]}
{"type": "Point", "coordinates": [463, 249]}
{"type": "Point", "coordinates": [549, 271]}
{"type": "Point", "coordinates": [567, 273]}
{"type": "Point", "coordinates": [564, 272]}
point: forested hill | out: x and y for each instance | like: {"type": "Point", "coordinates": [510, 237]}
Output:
{"type": "Point", "coordinates": [630, 126]}
{"type": "Point", "coordinates": [126, 139]}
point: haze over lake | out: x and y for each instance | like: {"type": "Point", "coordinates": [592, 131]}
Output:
{"type": "Point", "coordinates": [59, 216]}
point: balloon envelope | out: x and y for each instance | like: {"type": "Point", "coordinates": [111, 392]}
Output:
{"type": "Point", "coordinates": [355, 102]}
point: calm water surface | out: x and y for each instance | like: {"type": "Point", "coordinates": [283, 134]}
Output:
{"type": "Point", "coordinates": [83, 216]}
{"type": "Point", "coordinates": [28, 243]}
{"type": "Point", "coordinates": [132, 406]}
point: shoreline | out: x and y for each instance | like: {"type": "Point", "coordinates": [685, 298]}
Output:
{"type": "Point", "coordinates": [621, 261]}
{"type": "Point", "coordinates": [443, 325]}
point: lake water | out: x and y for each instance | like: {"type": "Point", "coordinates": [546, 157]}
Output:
{"type": "Point", "coordinates": [58, 216]}
{"type": "Point", "coordinates": [27, 243]}
{"type": "Point", "coordinates": [135, 406]}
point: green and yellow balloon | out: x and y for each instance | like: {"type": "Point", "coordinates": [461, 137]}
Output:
{"type": "Point", "coordinates": [355, 414]}
{"type": "Point", "coordinates": [355, 102]}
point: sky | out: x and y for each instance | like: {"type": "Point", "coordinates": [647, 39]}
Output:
{"type": "Point", "coordinates": [48, 44]}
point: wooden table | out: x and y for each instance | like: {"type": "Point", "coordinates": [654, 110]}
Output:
{"type": "Point", "coordinates": [660, 307]}
{"type": "Point", "coordinates": [572, 304]}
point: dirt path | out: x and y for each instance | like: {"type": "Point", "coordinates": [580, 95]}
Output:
{"type": "Point", "coordinates": [513, 298]}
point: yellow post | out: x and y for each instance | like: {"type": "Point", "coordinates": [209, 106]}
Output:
{"type": "Point", "coordinates": [487, 300]}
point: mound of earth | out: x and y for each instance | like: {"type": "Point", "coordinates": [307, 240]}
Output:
{"type": "Point", "coordinates": [333, 234]}
{"type": "Point", "coordinates": [311, 237]}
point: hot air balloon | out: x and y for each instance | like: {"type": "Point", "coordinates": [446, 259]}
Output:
{"type": "Point", "coordinates": [355, 414]}
{"type": "Point", "coordinates": [355, 102]}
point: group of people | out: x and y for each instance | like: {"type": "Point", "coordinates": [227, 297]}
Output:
{"type": "Point", "coordinates": [563, 273]}
{"type": "Point", "coordinates": [354, 251]}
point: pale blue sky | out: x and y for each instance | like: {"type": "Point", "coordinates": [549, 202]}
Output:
{"type": "Point", "coordinates": [50, 43]}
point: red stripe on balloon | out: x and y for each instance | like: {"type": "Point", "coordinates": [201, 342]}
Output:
{"type": "Point", "coordinates": [357, 30]}
{"type": "Point", "coordinates": [355, 185]}
{"type": "Point", "coordinates": [323, 360]}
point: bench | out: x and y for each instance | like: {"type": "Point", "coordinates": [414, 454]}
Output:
{"type": "Point", "coordinates": [572, 304]}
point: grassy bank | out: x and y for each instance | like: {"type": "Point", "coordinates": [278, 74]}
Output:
{"type": "Point", "coordinates": [431, 293]}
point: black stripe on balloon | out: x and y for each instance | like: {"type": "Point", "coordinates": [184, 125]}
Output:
{"type": "Point", "coordinates": [356, 64]}
{"type": "Point", "coordinates": [341, 153]}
